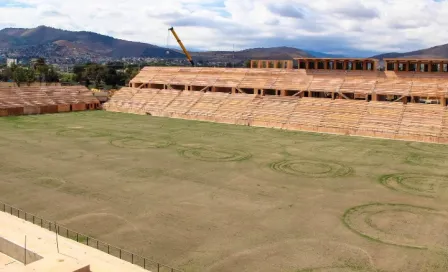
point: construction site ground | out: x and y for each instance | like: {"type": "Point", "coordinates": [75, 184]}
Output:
{"type": "Point", "coordinates": [67, 255]}
{"type": "Point", "coordinates": [214, 197]}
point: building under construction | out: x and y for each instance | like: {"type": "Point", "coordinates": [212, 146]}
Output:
{"type": "Point", "coordinates": [344, 96]}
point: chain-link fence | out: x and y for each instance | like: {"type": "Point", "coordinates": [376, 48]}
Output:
{"type": "Point", "coordinates": [122, 254]}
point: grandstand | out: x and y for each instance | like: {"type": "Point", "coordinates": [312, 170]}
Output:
{"type": "Point", "coordinates": [45, 99]}
{"type": "Point", "coordinates": [395, 105]}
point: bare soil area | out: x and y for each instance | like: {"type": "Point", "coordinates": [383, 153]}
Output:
{"type": "Point", "coordinates": [213, 197]}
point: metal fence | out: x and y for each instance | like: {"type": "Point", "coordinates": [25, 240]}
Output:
{"type": "Point", "coordinates": [124, 255]}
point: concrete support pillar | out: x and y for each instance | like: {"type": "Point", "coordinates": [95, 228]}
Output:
{"type": "Point", "coordinates": [283, 92]}
{"type": "Point", "coordinates": [419, 64]}
{"type": "Point", "coordinates": [307, 64]}
{"type": "Point", "coordinates": [325, 64]}
{"type": "Point", "coordinates": [441, 66]}
{"type": "Point", "coordinates": [233, 90]}
{"type": "Point", "coordinates": [344, 66]}
{"type": "Point", "coordinates": [374, 97]}
{"type": "Point", "coordinates": [443, 99]}
{"type": "Point", "coordinates": [213, 89]}
{"type": "Point", "coordinates": [316, 63]}
{"type": "Point", "coordinates": [332, 95]}
{"type": "Point", "coordinates": [430, 66]}
{"type": "Point", "coordinates": [396, 66]}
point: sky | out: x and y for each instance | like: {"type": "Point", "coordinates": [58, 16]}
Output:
{"type": "Point", "coordinates": [350, 27]}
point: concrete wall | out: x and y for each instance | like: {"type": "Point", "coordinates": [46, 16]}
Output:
{"type": "Point", "coordinates": [17, 252]}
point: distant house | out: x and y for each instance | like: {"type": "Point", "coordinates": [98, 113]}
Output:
{"type": "Point", "coordinates": [11, 62]}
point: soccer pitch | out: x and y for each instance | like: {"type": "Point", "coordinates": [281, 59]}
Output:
{"type": "Point", "coordinates": [214, 197]}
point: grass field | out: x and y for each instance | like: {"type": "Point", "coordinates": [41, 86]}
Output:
{"type": "Point", "coordinates": [213, 197]}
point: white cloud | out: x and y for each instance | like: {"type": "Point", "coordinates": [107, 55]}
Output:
{"type": "Point", "coordinates": [320, 25]}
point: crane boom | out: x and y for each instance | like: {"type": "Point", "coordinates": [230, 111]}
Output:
{"type": "Point", "coordinates": [190, 59]}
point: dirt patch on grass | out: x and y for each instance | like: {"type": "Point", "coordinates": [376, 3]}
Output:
{"type": "Point", "coordinates": [416, 184]}
{"type": "Point", "coordinates": [150, 142]}
{"type": "Point", "coordinates": [310, 168]}
{"type": "Point", "coordinates": [399, 225]}
{"type": "Point", "coordinates": [214, 154]}
{"type": "Point", "coordinates": [298, 255]}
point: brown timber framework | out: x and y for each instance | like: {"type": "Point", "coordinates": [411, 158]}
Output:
{"type": "Point", "coordinates": [46, 99]}
{"type": "Point", "coordinates": [336, 102]}
{"type": "Point", "coordinates": [405, 87]}
{"type": "Point", "coordinates": [416, 65]}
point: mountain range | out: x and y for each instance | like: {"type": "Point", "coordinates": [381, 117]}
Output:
{"type": "Point", "coordinates": [440, 51]}
{"type": "Point", "coordinates": [50, 42]}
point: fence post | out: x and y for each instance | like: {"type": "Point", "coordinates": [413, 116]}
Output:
{"type": "Point", "coordinates": [25, 216]}
{"type": "Point", "coordinates": [87, 240]}
{"type": "Point", "coordinates": [33, 220]}
{"type": "Point", "coordinates": [77, 237]}
{"type": "Point", "coordinates": [120, 253]}
{"type": "Point", "coordinates": [96, 244]}
{"type": "Point", "coordinates": [41, 222]}
{"type": "Point", "coordinates": [158, 267]}
{"type": "Point", "coordinates": [67, 233]}
{"type": "Point", "coordinates": [4, 207]}
{"type": "Point", "coordinates": [108, 249]}
{"type": "Point", "coordinates": [132, 258]}
{"type": "Point", "coordinates": [144, 263]}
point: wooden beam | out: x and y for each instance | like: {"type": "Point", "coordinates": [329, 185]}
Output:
{"type": "Point", "coordinates": [298, 93]}
{"type": "Point", "coordinates": [239, 90]}
{"type": "Point", "coordinates": [343, 95]}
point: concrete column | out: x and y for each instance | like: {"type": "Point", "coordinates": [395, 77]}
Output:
{"type": "Point", "coordinates": [316, 63]}
{"type": "Point", "coordinates": [430, 66]}
{"type": "Point", "coordinates": [344, 66]}
{"type": "Point", "coordinates": [233, 90]}
{"type": "Point", "coordinates": [325, 64]}
{"type": "Point", "coordinates": [307, 65]}
{"type": "Point", "coordinates": [396, 66]}
{"type": "Point", "coordinates": [419, 64]}
{"type": "Point", "coordinates": [443, 99]}
{"type": "Point", "coordinates": [374, 97]}
{"type": "Point", "coordinates": [283, 93]}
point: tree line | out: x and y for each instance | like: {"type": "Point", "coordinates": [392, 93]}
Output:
{"type": "Point", "coordinates": [38, 71]}
{"type": "Point", "coordinates": [112, 74]}
{"type": "Point", "coordinates": [94, 75]}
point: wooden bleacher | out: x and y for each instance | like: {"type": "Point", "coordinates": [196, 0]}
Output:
{"type": "Point", "coordinates": [159, 102]}
{"type": "Point", "coordinates": [182, 104]}
{"type": "Point", "coordinates": [343, 116]}
{"type": "Point", "coordinates": [421, 121]}
{"type": "Point", "coordinates": [381, 119]}
{"type": "Point", "coordinates": [273, 111]}
{"type": "Point", "coordinates": [233, 108]}
{"type": "Point", "coordinates": [45, 99]}
{"type": "Point", "coordinates": [308, 114]}
{"type": "Point", "coordinates": [206, 107]}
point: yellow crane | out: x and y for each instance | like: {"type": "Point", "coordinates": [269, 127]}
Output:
{"type": "Point", "coordinates": [190, 59]}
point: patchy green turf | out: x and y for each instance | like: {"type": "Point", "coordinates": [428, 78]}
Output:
{"type": "Point", "coordinates": [214, 197]}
